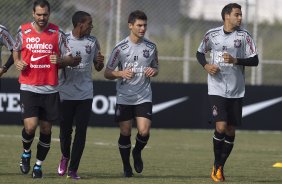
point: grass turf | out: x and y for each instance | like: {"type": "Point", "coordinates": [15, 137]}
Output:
{"type": "Point", "coordinates": [171, 157]}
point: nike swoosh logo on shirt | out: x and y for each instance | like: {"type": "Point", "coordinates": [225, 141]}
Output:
{"type": "Point", "coordinates": [37, 58]}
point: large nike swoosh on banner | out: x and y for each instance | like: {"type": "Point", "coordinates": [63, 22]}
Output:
{"type": "Point", "coordinates": [250, 109]}
{"type": "Point", "coordinates": [37, 58]}
{"type": "Point", "coordinates": [162, 106]}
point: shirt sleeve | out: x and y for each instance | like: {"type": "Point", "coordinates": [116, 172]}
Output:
{"type": "Point", "coordinates": [8, 40]}
{"type": "Point", "coordinates": [250, 49]}
{"type": "Point", "coordinates": [97, 49]}
{"type": "Point", "coordinates": [155, 61]}
{"type": "Point", "coordinates": [205, 45]}
{"type": "Point", "coordinates": [63, 46]}
{"type": "Point", "coordinates": [114, 59]}
{"type": "Point", "coordinates": [19, 41]}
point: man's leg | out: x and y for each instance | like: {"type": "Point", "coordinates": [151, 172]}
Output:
{"type": "Point", "coordinates": [67, 111]}
{"type": "Point", "coordinates": [82, 116]}
{"type": "Point", "coordinates": [228, 144]}
{"type": "Point", "coordinates": [43, 147]}
{"type": "Point", "coordinates": [218, 141]}
{"type": "Point", "coordinates": [124, 144]}
{"type": "Point", "coordinates": [142, 137]}
{"type": "Point", "coordinates": [28, 133]}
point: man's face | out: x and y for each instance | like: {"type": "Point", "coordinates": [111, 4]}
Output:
{"type": "Point", "coordinates": [86, 26]}
{"type": "Point", "coordinates": [41, 16]}
{"type": "Point", "coordinates": [139, 28]}
{"type": "Point", "coordinates": [235, 17]}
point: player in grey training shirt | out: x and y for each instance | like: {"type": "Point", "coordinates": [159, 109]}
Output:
{"type": "Point", "coordinates": [76, 92]}
{"type": "Point", "coordinates": [232, 48]}
{"type": "Point", "coordinates": [6, 40]}
{"type": "Point", "coordinates": [137, 61]}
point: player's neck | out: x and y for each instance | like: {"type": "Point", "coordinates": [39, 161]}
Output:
{"type": "Point", "coordinates": [135, 39]}
{"type": "Point", "coordinates": [39, 29]}
{"type": "Point", "coordinates": [228, 28]}
{"type": "Point", "coordinates": [76, 33]}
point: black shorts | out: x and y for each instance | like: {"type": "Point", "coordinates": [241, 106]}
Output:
{"type": "Point", "coordinates": [226, 109]}
{"type": "Point", "coordinates": [128, 112]}
{"type": "Point", "coordinates": [43, 106]}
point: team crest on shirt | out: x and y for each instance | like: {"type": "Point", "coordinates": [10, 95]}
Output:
{"type": "Point", "coordinates": [237, 43]}
{"type": "Point", "coordinates": [214, 111]}
{"type": "Point", "coordinates": [146, 53]}
{"type": "Point", "coordinates": [88, 49]}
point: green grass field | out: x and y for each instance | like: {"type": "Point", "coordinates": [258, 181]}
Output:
{"type": "Point", "coordinates": [171, 157]}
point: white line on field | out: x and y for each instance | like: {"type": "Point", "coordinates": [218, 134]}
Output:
{"type": "Point", "coordinates": [58, 140]}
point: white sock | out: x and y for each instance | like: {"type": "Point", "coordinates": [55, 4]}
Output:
{"type": "Point", "coordinates": [38, 162]}
{"type": "Point", "coordinates": [26, 151]}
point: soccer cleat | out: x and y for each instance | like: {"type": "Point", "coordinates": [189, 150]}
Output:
{"type": "Point", "coordinates": [25, 162]}
{"type": "Point", "coordinates": [63, 166]}
{"type": "Point", "coordinates": [127, 172]}
{"type": "Point", "coordinates": [217, 174]}
{"type": "Point", "coordinates": [73, 175]}
{"type": "Point", "coordinates": [36, 172]}
{"type": "Point", "coordinates": [138, 163]}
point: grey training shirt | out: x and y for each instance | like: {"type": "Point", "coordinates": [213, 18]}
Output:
{"type": "Point", "coordinates": [76, 83]}
{"type": "Point", "coordinates": [230, 81]}
{"type": "Point", "coordinates": [137, 57]}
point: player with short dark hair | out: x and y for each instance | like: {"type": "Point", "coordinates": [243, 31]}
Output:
{"type": "Point", "coordinates": [76, 92]}
{"type": "Point", "coordinates": [137, 60]}
{"type": "Point", "coordinates": [232, 48]}
{"type": "Point", "coordinates": [6, 40]}
{"type": "Point", "coordinates": [39, 51]}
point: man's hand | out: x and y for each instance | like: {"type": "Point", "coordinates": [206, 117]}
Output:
{"type": "Point", "coordinates": [211, 68]}
{"type": "Point", "coordinates": [54, 59]}
{"type": "Point", "coordinates": [127, 73]}
{"type": "Point", "coordinates": [99, 64]}
{"type": "Point", "coordinates": [21, 65]}
{"type": "Point", "coordinates": [1, 71]}
{"type": "Point", "coordinates": [75, 61]}
{"type": "Point", "coordinates": [229, 59]}
{"type": "Point", "coordinates": [150, 72]}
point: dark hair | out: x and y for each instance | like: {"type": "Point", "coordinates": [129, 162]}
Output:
{"type": "Point", "coordinates": [41, 3]}
{"type": "Point", "coordinates": [79, 17]}
{"type": "Point", "coordinates": [137, 14]}
{"type": "Point", "coordinates": [228, 9]}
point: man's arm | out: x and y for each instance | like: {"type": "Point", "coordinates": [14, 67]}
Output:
{"type": "Point", "coordinates": [7, 65]}
{"type": "Point", "coordinates": [20, 64]}
{"type": "Point", "coordinates": [251, 61]}
{"type": "Point", "coordinates": [212, 69]}
{"type": "Point", "coordinates": [66, 60]}
{"type": "Point", "coordinates": [112, 74]}
{"type": "Point", "coordinates": [99, 62]}
{"type": "Point", "coordinates": [201, 58]}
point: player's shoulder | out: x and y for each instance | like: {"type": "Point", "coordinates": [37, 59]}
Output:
{"type": "Point", "coordinates": [149, 43]}
{"type": "Point", "coordinates": [243, 32]}
{"type": "Point", "coordinates": [68, 34]}
{"type": "Point", "coordinates": [61, 32]}
{"type": "Point", "coordinates": [53, 28]}
{"type": "Point", "coordinates": [122, 45]}
{"type": "Point", "coordinates": [214, 31]}
{"type": "Point", "coordinates": [91, 38]}
{"type": "Point", "coordinates": [3, 28]}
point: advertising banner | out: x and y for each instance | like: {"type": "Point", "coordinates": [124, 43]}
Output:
{"type": "Point", "coordinates": [174, 106]}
